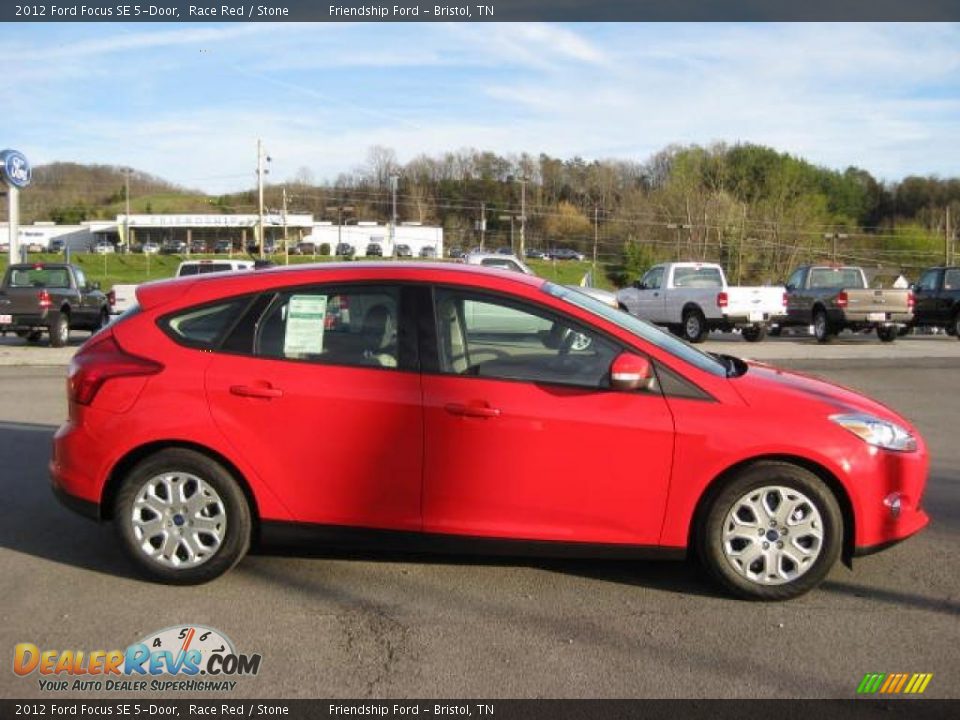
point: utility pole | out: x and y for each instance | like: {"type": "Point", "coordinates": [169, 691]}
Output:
{"type": "Point", "coordinates": [261, 171]}
{"type": "Point", "coordinates": [678, 227]}
{"type": "Point", "coordinates": [393, 222]}
{"type": "Point", "coordinates": [946, 240]}
{"type": "Point", "coordinates": [523, 216]}
{"type": "Point", "coordinates": [596, 235]}
{"type": "Point", "coordinates": [286, 247]}
{"type": "Point", "coordinates": [483, 223]}
{"type": "Point", "coordinates": [126, 218]}
{"type": "Point", "coordinates": [835, 237]}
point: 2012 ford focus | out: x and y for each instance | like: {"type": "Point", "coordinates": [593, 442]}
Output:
{"type": "Point", "coordinates": [448, 407]}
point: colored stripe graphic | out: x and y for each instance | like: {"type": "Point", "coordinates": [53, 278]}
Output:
{"type": "Point", "coordinates": [894, 683]}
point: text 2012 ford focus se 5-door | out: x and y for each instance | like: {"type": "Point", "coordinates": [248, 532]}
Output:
{"type": "Point", "coordinates": [453, 407]}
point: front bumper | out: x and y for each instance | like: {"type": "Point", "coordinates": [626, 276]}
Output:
{"type": "Point", "coordinates": [888, 502]}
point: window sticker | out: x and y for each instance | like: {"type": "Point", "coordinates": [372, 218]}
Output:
{"type": "Point", "coordinates": [305, 320]}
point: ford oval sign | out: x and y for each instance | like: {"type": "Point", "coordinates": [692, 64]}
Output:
{"type": "Point", "coordinates": [15, 168]}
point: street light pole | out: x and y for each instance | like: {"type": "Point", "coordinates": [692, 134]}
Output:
{"type": "Point", "coordinates": [260, 191]}
{"type": "Point", "coordinates": [835, 237]}
{"type": "Point", "coordinates": [393, 222]}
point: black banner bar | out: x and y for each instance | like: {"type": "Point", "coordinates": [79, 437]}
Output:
{"type": "Point", "coordinates": [915, 709]}
{"type": "Point", "coordinates": [479, 10]}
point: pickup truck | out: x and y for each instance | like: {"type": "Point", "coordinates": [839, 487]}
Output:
{"type": "Point", "coordinates": [937, 295]}
{"type": "Point", "coordinates": [50, 297]}
{"type": "Point", "coordinates": [834, 298]}
{"type": "Point", "coordinates": [694, 298]}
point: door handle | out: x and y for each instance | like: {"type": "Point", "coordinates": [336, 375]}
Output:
{"type": "Point", "coordinates": [256, 391]}
{"type": "Point", "coordinates": [479, 411]}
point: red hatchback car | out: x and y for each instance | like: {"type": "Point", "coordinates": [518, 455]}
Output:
{"type": "Point", "coordinates": [449, 407]}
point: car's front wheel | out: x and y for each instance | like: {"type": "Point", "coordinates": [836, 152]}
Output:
{"type": "Point", "coordinates": [772, 533]}
{"type": "Point", "coordinates": [182, 517]}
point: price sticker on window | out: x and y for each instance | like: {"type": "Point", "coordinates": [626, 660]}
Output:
{"type": "Point", "coordinates": [304, 327]}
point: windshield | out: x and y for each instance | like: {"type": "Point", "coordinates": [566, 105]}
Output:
{"type": "Point", "coordinates": [642, 329]}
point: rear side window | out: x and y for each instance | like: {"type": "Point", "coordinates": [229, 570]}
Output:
{"type": "Point", "coordinates": [203, 326]}
{"type": "Point", "coordinates": [348, 326]}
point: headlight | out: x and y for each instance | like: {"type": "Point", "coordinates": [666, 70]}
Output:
{"type": "Point", "coordinates": [877, 432]}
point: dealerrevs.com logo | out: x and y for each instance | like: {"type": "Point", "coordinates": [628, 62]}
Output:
{"type": "Point", "coordinates": [187, 658]}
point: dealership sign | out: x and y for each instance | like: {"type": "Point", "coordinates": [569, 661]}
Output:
{"type": "Point", "coordinates": [15, 168]}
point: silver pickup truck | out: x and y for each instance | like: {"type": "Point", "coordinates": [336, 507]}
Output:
{"type": "Point", "coordinates": [834, 298]}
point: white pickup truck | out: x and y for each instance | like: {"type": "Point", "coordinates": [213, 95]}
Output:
{"type": "Point", "coordinates": [694, 298]}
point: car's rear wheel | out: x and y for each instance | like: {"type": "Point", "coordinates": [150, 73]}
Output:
{"type": "Point", "coordinates": [822, 329]}
{"type": "Point", "coordinates": [772, 533]}
{"type": "Point", "coordinates": [182, 517]}
{"type": "Point", "coordinates": [755, 333]}
{"type": "Point", "coordinates": [694, 326]}
{"type": "Point", "coordinates": [888, 333]}
{"type": "Point", "coordinates": [60, 330]}
{"type": "Point", "coordinates": [954, 328]}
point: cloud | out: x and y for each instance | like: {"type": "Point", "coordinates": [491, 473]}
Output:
{"type": "Point", "coordinates": [884, 97]}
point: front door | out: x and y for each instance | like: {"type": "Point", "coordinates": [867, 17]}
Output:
{"type": "Point", "coordinates": [523, 438]}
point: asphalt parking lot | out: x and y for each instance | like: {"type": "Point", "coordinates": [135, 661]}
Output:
{"type": "Point", "coordinates": [383, 626]}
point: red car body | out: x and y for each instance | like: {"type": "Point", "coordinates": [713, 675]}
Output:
{"type": "Point", "coordinates": [449, 455]}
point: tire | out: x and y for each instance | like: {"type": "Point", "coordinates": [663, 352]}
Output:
{"type": "Point", "coordinates": [775, 331]}
{"type": "Point", "coordinates": [151, 536]}
{"type": "Point", "coordinates": [769, 567]}
{"type": "Point", "coordinates": [755, 333]}
{"type": "Point", "coordinates": [821, 327]}
{"type": "Point", "coordinates": [103, 321]}
{"type": "Point", "coordinates": [888, 333]}
{"type": "Point", "coordinates": [954, 328]}
{"type": "Point", "coordinates": [694, 328]}
{"type": "Point", "coordinates": [60, 330]}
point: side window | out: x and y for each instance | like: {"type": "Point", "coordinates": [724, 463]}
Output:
{"type": "Point", "coordinates": [202, 327]}
{"type": "Point", "coordinates": [796, 280]}
{"type": "Point", "coordinates": [488, 337]}
{"type": "Point", "coordinates": [951, 280]}
{"type": "Point", "coordinates": [654, 278]}
{"type": "Point", "coordinates": [81, 279]}
{"type": "Point", "coordinates": [337, 326]}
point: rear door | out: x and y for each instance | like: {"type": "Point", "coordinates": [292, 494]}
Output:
{"type": "Point", "coordinates": [523, 437]}
{"type": "Point", "coordinates": [318, 389]}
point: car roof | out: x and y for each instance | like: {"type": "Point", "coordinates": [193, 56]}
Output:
{"type": "Point", "coordinates": [200, 288]}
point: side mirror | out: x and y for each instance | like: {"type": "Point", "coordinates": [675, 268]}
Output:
{"type": "Point", "coordinates": [639, 285]}
{"type": "Point", "coordinates": [630, 372]}
{"type": "Point", "coordinates": [914, 287]}
{"type": "Point", "coordinates": [95, 285]}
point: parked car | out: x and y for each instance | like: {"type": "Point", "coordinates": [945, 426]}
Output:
{"type": "Point", "coordinates": [512, 262]}
{"type": "Point", "coordinates": [173, 248]}
{"type": "Point", "coordinates": [345, 250]}
{"type": "Point", "coordinates": [306, 248]}
{"type": "Point", "coordinates": [174, 414]}
{"type": "Point", "coordinates": [52, 298]}
{"type": "Point", "coordinates": [504, 250]}
{"type": "Point", "coordinates": [428, 251]}
{"type": "Point", "coordinates": [56, 246]}
{"type": "Point", "coordinates": [694, 298]}
{"type": "Point", "coordinates": [566, 254]}
{"type": "Point", "coordinates": [534, 254]}
{"type": "Point", "coordinates": [374, 249]}
{"type": "Point", "coordinates": [937, 299]}
{"type": "Point", "coordinates": [122, 296]}
{"type": "Point", "coordinates": [150, 248]}
{"type": "Point", "coordinates": [202, 267]}
{"type": "Point", "coordinates": [403, 251]}
{"type": "Point", "coordinates": [835, 298]}
{"type": "Point", "coordinates": [223, 247]}
{"type": "Point", "coordinates": [104, 247]}
{"type": "Point", "coordinates": [457, 253]}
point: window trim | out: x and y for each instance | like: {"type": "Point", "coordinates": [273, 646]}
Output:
{"type": "Point", "coordinates": [163, 322]}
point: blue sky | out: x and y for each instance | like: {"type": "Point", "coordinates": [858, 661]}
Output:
{"type": "Point", "coordinates": [187, 101]}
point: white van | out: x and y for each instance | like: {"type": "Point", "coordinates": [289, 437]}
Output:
{"type": "Point", "coordinates": [202, 267]}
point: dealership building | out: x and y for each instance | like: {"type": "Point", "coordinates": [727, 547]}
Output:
{"type": "Point", "coordinates": [206, 230]}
